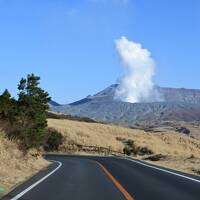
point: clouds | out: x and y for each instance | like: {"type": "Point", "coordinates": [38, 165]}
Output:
{"type": "Point", "coordinates": [136, 85]}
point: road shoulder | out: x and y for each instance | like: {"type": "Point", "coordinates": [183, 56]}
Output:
{"type": "Point", "coordinates": [26, 184]}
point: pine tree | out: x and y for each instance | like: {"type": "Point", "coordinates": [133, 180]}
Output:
{"type": "Point", "coordinates": [31, 110]}
{"type": "Point", "coordinates": [5, 104]}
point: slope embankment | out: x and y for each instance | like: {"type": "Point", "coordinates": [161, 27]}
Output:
{"type": "Point", "coordinates": [165, 148]}
{"type": "Point", "coordinates": [15, 166]}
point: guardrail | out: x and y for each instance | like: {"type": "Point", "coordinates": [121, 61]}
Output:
{"type": "Point", "coordinates": [98, 149]}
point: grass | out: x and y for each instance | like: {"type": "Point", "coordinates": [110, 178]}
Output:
{"type": "Point", "coordinates": [15, 167]}
{"type": "Point", "coordinates": [182, 152]}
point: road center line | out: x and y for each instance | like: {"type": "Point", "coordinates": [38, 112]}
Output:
{"type": "Point", "coordinates": [164, 170]}
{"type": "Point", "coordinates": [116, 183]}
{"type": "Point", "coordinates": [38, 182]}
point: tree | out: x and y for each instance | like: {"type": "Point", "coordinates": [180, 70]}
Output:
{"type": "Point", "coordinates": [5, 104]}
{"type": "Point", "coordinates": [31, 111]}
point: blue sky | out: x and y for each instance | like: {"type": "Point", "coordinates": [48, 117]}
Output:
{"type": "Point", "coordinates": [70, 44]}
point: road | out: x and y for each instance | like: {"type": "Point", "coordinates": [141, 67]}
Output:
{"type": "Point", "coordinates": [106, 178]}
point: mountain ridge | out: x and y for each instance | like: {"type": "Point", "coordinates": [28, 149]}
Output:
{"type": "Point", "coordinates": [179, 104]}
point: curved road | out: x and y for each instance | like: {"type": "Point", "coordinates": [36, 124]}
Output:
{"type": "Point", "coordinates": [106, 178]}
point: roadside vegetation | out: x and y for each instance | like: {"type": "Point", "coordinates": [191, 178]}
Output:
{"type": "Point", "coordinates": [24, 133]}
{"type": "Point", "coordinates": [16, 167]}
{"type": "Point", "coordinates": [25, 117]}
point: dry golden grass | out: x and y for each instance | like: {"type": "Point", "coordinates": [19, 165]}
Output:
{"type": "Point", "coordinates": [15, 166]}
{"type": "Point", "coordinates": [178, 148]}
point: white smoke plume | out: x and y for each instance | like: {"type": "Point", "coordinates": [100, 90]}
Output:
{"type": "Point", "coordinates": [136, 85]}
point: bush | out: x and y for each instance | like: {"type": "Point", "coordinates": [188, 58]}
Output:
{"type": "Point", "coordinates": [196, 171]}
{"type": "Point", "coordinates": [144, 151]}
{"type": "Point", "coordinates": [183, 130]}
{"type": "Point", "coordinates": [155, 157]}
{"type": "Point", "coordinates": [130, 143]}
{"type": "Point", "coordinates": [127, 151]}
{"type": "Point", "coordinates": [54, 140]}
{"type": "Point", "coordinates": [132, 148]}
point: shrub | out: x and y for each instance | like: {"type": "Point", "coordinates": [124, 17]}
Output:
{"type": "Point", "coordinates": [127, 151]}
{"type": "Point", "coordinates": [196, 171]}
{"type": "Point", "coordinates": [130, 143]}
{"type": "Point", "coordinates": [156, 157]}
{"type": "Point", "coordinates": [183, 130]}
{"type": "Point", "coordinates": [132, 148]}
{"type": "Point", "coordinates": [191, 156]}
{"type": "Point", "coordinates": [54, 140]}
{"type": "Point", "coordinates": [144, 151]}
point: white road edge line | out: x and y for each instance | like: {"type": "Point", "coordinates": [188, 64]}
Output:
{"type": "Point", "coordinates": [38, 182]}
{"type": "Point", "coordinates": [164, 170]}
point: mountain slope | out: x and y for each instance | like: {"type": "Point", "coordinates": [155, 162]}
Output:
{"type": "Point", "coordinates": [179, 105]}
{"type": "Point", "coordinates": [53, 103]}
{"type": "Point", "coordinates": [167, 94]}
{"type": "Point", "coordinates": [177, 147]}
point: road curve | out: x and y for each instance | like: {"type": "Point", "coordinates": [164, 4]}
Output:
{"type": "Point", "coordinates": [106, 178]}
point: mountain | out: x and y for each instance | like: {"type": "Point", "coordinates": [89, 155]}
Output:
{"type": "Point", "coordinates": [180, 95]}
{"type": "Point", "coordinates": [167, 94]}
{"type": "Point", "coordinates": [179, 105]}
{"type": "Point", "coordinates": [53, 104]}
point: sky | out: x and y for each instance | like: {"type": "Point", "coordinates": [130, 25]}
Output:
{"type": "Point", "coordinates": [70, 44]}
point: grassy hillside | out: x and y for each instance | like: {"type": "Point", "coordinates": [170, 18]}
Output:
{"type": "Point", "coordinates": [15, 166]}
{"type": "Point", "coordinates": [179, 151]}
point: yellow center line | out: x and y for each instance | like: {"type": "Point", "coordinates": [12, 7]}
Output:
{"type": "Point", "coordinates": [116, 183]}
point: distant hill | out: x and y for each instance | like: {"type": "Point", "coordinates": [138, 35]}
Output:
{"type": "Point", "coordinates": [55, 115]}
{"type": "Point", "coordinates": [53, 103]}
{"type": "Point", "coordinates": [179, 105]}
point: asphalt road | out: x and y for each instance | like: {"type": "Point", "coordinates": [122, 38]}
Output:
{"type": "Point", "coordinates": [106, 178]}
